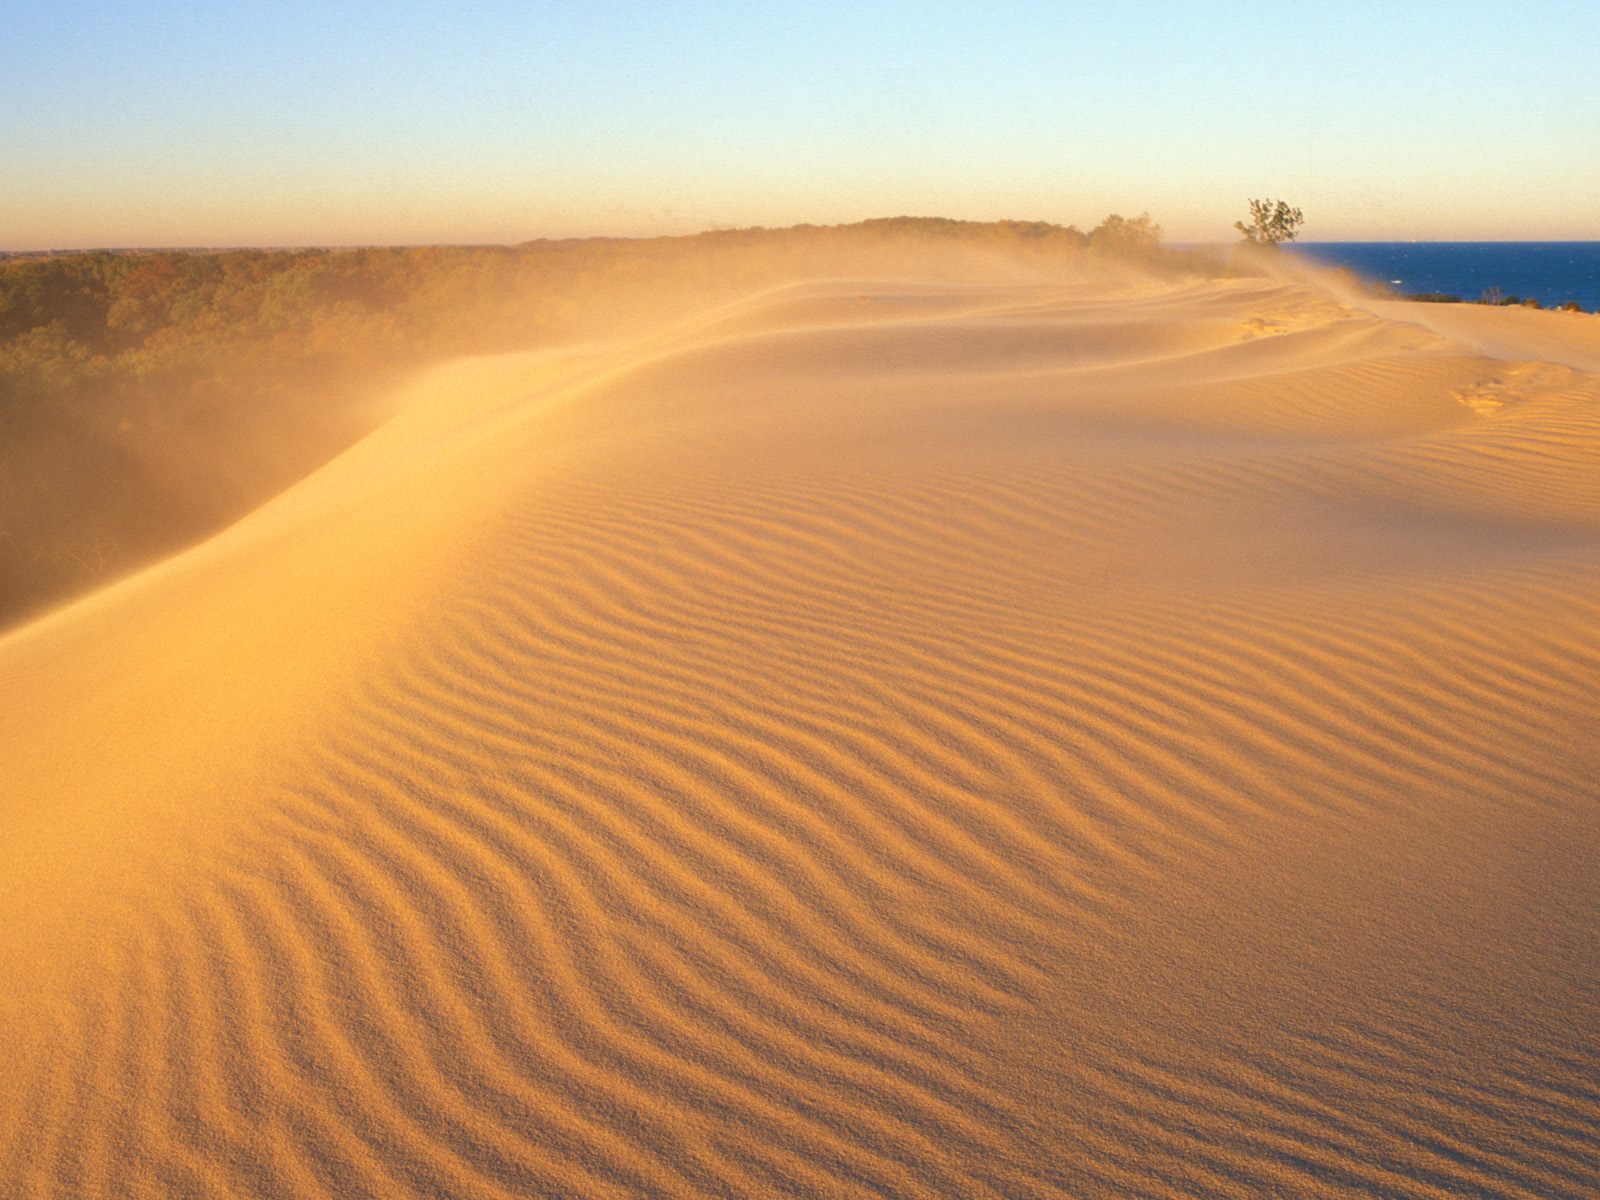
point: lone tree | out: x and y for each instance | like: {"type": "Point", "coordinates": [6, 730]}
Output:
{"type": "Point", "coordinates": [1271, 222]}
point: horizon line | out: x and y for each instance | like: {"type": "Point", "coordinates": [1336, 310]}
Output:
{"type": "Point", "coordinates": [224, 247]}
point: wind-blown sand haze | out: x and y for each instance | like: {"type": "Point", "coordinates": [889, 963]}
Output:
{"type": "Point", "coordinates": [965, 734]}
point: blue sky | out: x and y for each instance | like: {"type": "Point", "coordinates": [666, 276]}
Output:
{"type": "Point", "coordinates": [188, 123]}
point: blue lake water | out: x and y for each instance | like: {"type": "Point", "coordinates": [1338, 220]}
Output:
{"type": "Point", "coordinates": [1550, 272]}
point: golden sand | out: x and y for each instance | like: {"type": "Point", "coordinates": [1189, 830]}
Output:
{"type": "Point", "coordinates": [1091, 737]}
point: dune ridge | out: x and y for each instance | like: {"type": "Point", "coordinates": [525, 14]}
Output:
{"type": "Point", "coordinates": [1117, 736]}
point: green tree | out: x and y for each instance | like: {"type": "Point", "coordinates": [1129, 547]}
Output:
{"type": "Point", "coordinates": [1131, 236]}
{"type": "Point", "coordinates": [1271, 222]}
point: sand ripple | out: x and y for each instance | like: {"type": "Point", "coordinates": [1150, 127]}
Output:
{"type": "Point", "coordinates": [877, 740]}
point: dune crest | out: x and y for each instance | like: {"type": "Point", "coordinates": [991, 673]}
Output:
{"type": "Point", "coordinates": [976, 738]}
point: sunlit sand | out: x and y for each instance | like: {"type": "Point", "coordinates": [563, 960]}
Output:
{"type": "Point", "coordinates": [967, 732]}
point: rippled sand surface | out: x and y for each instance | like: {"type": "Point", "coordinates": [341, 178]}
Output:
{"type": "Point", "coordinates": [881, 738]}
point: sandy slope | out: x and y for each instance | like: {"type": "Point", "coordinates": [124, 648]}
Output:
{"type": "Point", "coordinates": [879, 739]}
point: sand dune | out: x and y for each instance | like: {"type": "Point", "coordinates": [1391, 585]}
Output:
{"type": "Point", "coordinates": [1103, 737]}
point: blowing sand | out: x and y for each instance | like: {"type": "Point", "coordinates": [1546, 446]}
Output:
{"type": "Point", "coordinates": [883, 738]}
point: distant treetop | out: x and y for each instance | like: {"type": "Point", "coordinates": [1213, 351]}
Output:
{"type": "Point", "coordinates": [1271, 222]}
